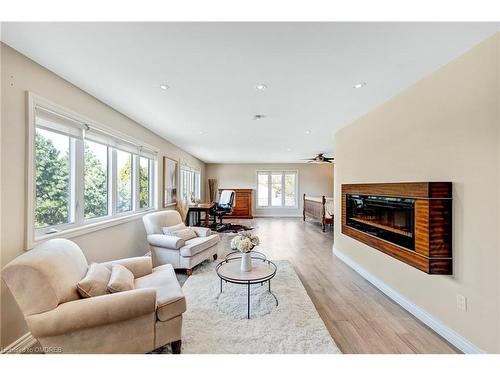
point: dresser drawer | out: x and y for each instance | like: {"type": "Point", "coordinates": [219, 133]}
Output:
{"type": "Point", "coordinates": [241, 204]}
{"type": "Point", "coordinates": [242, 207]}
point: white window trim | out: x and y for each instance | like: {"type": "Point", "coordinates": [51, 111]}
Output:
{"type": "Point", "coordinates": [283, 172]}
{"type": "Point", "coordinates": [79, 225]}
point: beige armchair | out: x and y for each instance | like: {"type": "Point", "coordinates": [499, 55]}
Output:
{"type": "Point", "coordinates": [167, 249]}
{"type": "Point", "coordinates": [44, 283]}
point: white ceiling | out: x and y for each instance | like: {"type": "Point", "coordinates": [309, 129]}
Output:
{"type": "Point", "coordinates": [212, 70]}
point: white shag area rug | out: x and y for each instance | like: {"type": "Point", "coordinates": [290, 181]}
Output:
{"type": "Point", "coordinates": [217, 323]}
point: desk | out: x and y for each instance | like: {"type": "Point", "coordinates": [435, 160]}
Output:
{"type": "Point", "coordinates": [199, 208]}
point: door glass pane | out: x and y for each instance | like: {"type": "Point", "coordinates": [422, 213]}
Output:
{"type": "Point", "coordinates": [96, 180]}
{"type": "Point", "coordinates": [52, 153]}
{"type": "Point", "coordinates": [290, 199]}
{"type": "Point", "coordinates": [143, 182]}
{"type": "Point", "coordinates": [124, 181]}
{"type": "Point", "coordinates": [262, 189]}
{"type": "Point", "coordinates": [276, 189]}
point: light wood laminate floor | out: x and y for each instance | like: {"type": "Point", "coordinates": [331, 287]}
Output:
{"type": "Point", "coordinates": [360, 318]}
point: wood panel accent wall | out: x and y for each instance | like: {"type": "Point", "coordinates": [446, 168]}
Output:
{"type": "Point", "coordinates": [242, 207]}
{"type": "Point", "coordinates": [433, 223]}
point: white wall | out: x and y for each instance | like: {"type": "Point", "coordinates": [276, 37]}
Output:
{"type": "Point", "coordinates": [314, 180]}
{"type": "Point", "coordinates": [19, 74]}
{"type": "Point", "coordinates": [444, 128]}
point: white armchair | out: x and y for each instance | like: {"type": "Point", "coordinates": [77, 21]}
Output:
{"type": "Point", "coordinates": [168, 249]}
{"type": "Point", "coordinates": [44, 283]}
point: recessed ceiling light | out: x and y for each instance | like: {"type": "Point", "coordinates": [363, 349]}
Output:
{"type": "Point", "coordinates": [288, 149]}
{"type": "Point", "coordinates": [164, 86]}
{"type": "Point", "coordinates": [201, 132]}
{"type": "Point", "coordinates": [308, 132]}
{"type": "Point", "coordinates": [359, 85]}
{"type": "Point", "coordinates": [259, 117]}
{"type": "Point", "coordinates": [261, 87]}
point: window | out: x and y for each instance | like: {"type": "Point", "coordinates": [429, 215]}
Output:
{"type": "Point", "coordinates": [277, 189]}
{"type": "Point", "coordinates": [290, 190]}
{"type": "Point", "coordinates": [95, 180]}
{"type": "Point", "coordinates": [190, 183]}
{"type": "Point", "coordinates": [124, 181]}
{"type": "Point", "coordinates": [144, 182]}
{"type": "Point", "coordinates": [263, 189]}
{"type": "Point", "coordinates": [82, 174]}
{"type": "Point", "coordinates": [53, 179]}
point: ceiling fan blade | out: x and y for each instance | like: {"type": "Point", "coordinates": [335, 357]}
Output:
{"type": "Point", "coordinates": [320, 158]}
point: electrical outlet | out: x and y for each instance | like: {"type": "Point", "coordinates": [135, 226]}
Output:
{"type": "Point", "coordinates": [461, 303]}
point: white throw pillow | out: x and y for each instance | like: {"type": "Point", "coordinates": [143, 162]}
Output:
{"type": "Point", "coordinates": [173, 228]}
{"type": "Point", "coordinates": [186, 234]}
{"type": "Point", "coordinates": [95, 282]}
{"type": "Point", "coordinates": [121, 279]}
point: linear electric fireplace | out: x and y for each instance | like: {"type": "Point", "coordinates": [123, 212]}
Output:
{"type": "Point", "coordinates": [388, 218]}
{"type": "Point", "coordinates": [409, 221]}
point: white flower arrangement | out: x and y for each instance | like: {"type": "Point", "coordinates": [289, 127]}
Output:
{"type": "Point", "coordinates": [244, 242]}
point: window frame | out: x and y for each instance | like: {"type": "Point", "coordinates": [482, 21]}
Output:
{"type": "Point", "coordinates": [78, 225]}
{"type": "Point", "coordinates": [269, 173]}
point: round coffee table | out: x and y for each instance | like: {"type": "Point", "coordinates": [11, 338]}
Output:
{"type": "Point", "coordinates": [262, 271]}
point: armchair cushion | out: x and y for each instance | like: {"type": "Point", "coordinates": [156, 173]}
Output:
{"type": "Point", "coordinates": [173, 228]}
{"type": "Point", "coordinates": [202, 231]}
{"type": "Point", "coordinates": [92, 312]}
{"type": "Point", "coordinates": [186, 234]}
{"type": "Point", "coordinates": [169, 242]}
{"type": "Point", "coordinates": [139, 266]}
{"type": "Point", "coordinates": [169, 296]}
{"type": "Point", "coordinates": [121, 279]}
{"type": "Point", "coordinates": [198, 244]}
{"type": "Point", "coordinates": [95, 282]}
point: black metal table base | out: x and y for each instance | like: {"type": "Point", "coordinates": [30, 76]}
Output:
{"type": "Point", "coordinates": [248, 293]}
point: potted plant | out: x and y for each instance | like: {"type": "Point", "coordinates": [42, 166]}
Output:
{"type": "Point", "coordinates": [244, 243]}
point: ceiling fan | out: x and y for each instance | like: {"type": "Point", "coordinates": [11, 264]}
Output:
{"type": "Point", "coordinates": [320, 158]}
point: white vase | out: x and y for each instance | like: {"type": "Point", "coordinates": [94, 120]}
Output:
{"type": "Point", "coordinates": [246, 262]}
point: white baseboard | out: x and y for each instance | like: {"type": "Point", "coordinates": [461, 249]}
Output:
{"type": "Point", "coordinates": [436, 325]}
{"type": "Point", "coordinates": [22, 344]}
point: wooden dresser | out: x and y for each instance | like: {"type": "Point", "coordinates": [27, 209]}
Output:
{"type": "Point", "coordinates": [242, 207]}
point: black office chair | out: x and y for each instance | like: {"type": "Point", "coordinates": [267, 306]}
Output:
{"type": "Point", "coordinates": [222, 208]}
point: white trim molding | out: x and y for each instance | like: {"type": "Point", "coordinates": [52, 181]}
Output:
{"type": "Point", "coordinates": [433, 323]}
{"type": "Point", "coordinates": [21, 345]}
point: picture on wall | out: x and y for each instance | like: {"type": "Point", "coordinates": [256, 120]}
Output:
{"type": "Point", "coordinates": [169, 182]}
